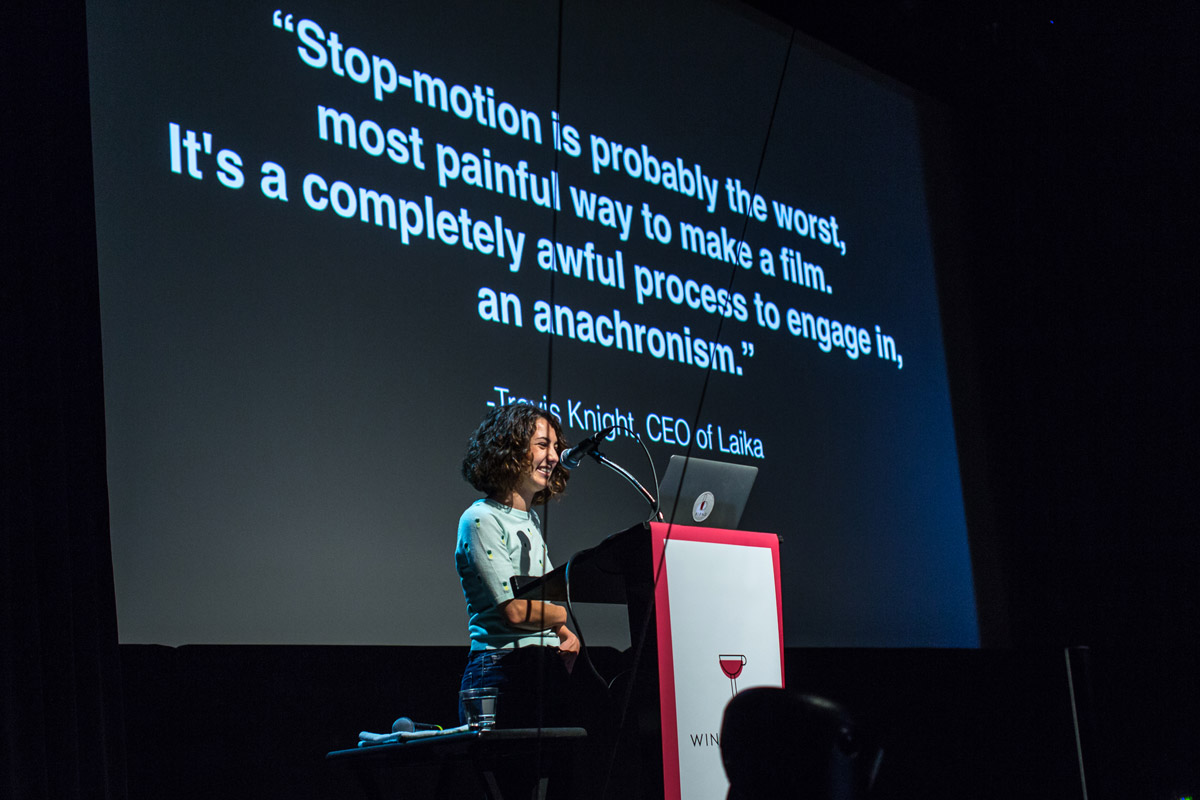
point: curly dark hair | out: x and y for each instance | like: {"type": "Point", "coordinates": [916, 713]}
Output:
{"type": "Point", "coordinates": [498, 452]}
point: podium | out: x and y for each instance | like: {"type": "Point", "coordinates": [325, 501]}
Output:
{"type": "Point", "coordinates": [705, 619]}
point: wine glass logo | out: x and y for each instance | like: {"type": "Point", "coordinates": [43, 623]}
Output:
{"type": "Point", "coordinates": [732, 665]}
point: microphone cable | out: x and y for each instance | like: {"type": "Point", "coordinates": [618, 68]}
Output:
{"type": "Point", "coordinates": [658, 568]}
{"type": "Point", "coordinates": [639, 646]}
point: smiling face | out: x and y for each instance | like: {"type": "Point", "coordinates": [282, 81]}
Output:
{"type": "Point", "coordinates": [541, 460]}
{"type": "Point", "coordinates": [512, 457]}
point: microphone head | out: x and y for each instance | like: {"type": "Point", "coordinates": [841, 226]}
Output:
{"type": "Point", "coordinates": [572, 456]}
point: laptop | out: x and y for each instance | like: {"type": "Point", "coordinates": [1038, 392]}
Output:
{"type": "Point", "coordinates": [713, 494]}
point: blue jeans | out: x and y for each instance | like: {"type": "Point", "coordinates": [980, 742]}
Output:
{"type": "Point", "coordinates": [533, 686]}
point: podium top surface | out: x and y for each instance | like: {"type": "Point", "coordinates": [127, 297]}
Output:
{"type": "Point", "coordinates": [599, 574]}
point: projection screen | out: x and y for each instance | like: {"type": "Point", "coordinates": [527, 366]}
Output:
{"type": "Point", "coordinates": [332, 235]}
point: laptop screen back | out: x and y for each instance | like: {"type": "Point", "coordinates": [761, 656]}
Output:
{"type": "Point", "coordinates": [705, 493]}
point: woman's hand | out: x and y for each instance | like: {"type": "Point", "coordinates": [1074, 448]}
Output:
{"type": "Point", "coordinates": [568, 645]}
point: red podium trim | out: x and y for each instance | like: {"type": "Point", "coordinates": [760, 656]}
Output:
{"type": "Point", "coordinates": [660, 535]}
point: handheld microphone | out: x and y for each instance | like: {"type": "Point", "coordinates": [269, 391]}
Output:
{"type": "Point", "coordinates": [406, 725]}
{"type": "Point", "coordinates": [569, 459]}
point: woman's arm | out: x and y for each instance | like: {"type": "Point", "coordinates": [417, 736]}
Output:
{"type": "Point", "coordinates": [533, 615]}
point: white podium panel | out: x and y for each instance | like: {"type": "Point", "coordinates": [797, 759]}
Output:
{"type": "Point", "coordinates": [720, 630]}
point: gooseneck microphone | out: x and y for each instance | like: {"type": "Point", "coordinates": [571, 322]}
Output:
{"type": "Point", "coordinates": [570, 458]}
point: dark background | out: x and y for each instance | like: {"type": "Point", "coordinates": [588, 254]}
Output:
{"type": "Point", "coordinates": [1070, 342]}
{"type": "Point", "coordinates": [1071, 339]}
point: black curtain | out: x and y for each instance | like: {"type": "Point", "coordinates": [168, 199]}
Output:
{"type": "Point", "coordinates": [60, 706]}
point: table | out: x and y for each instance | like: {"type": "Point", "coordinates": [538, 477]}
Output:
{"type": "Point", "coordinates": [500, 758]}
